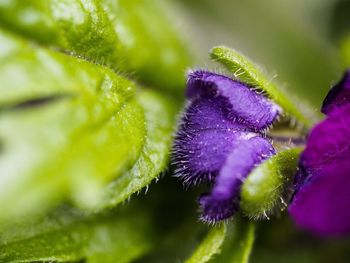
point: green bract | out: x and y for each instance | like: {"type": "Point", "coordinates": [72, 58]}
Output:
{"type": "Point", "coordinates": [246, 71]}
{"type": "Point", "coordinates": [133, 36]}
{"type": "Point", "coordinates": [265, 187]}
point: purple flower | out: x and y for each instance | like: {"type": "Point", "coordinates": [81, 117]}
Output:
{"type": "Point", "coordinates": [321, 203]}
{"type": "Point", "coordinates": [221, 139]}
{"type": "Point", "coordinates": [338, 96]}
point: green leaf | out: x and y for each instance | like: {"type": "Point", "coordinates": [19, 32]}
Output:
{"type": "Point", "coordinates": [129, 36]}
{"type": "Point", "coordinates": [160, 118]}
{"type": "Point", "coordinates": [69, 235]}
{"type": "Point", "coordinates": [265, 187]}
{"type": "Point", "coordinates": [238, 243]}
{"type": "Point", "coordinates": [210, 246]}
{"type": "Point", "coordinates": [85, 130]}
{"type": "Point", "coordinates": [230, 243]}
{"type": "Point", "coordinates": [246, 71]}
{"type": "Point", "coordinates": [69, 127]}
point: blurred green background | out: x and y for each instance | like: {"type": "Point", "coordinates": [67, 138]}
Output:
{"type": "Point", "coordinates": [296, 40]}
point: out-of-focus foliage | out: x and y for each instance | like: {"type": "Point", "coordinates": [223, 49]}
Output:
{"type": "Point", "coordinates": [238, 244]}
{"type": "Point", "coordinates": [68, 127]}
{"type": "Point", "coordinates": [210, 246]}
{"type": "Point", "coordinates": [340, 28]}
{"type": "Point", "coordinates": [122, 234]}
{"type": "Point", "coordinates": [278, 240]}
{"type": "Point", "coordinates": [69, 235]}
{"type": "Point", "coordinates": [133, 36]}
{"type": "Point", "coordinates": [226, 244]}
{"type": "Point", "coordinates": [345, 50]}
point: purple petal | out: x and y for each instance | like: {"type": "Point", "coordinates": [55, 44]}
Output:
{"type": "Point", "coordinates": [322, 204]}
{"type": "Point", "coordinates": [214, 208]}
{"type": "Point", "coordinates": [328, 141]}
{"type": "Point", "coordinates": [222, 202]}
{"type": "Point", "coordinates": [204, 140]}
{"type": "Point", "coordinates": [209, 113]}
{"type": "Point", "coordinates": [338, 96]}
{"type": "Point", "coordinates": [241, 102]}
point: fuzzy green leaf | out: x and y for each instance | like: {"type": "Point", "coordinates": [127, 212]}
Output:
{"type": "Point", "coordinates": [129, 36]}
{"type": "Point", "coordinates": [246, 71]}
{"type": "Point", "coordinates": [160, 118]}
{"type": "Point", "coordinates": [265, 187]}
{"type": "Point", "coordinates": [69, 127]}
{"type": "Point", "coordinates": [210, 246]}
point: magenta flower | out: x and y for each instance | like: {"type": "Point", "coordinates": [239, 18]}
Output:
{"type": "Point", "coordinates": [321, 203]}
{"type": "Point", "coordinates": [221, 139]}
